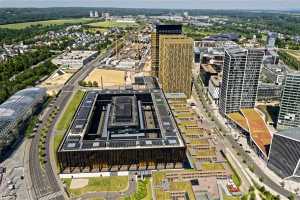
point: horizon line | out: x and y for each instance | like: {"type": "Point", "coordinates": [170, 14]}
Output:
{"type": "Point", "coordinates": [106, 7]}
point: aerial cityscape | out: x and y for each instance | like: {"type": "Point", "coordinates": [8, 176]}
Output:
{"type": "Point", "coordinates": [108, 101]}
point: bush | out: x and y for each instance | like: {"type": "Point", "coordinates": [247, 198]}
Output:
{"type": "Point", "coordinates": [262, 189]}
{"type": "Point", "coordinates": [261, 179]}
{"type": "Point", "coordinates": [252, 196]}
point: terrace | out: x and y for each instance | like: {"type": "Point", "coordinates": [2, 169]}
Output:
{"type": "Point", "coordinates": [206, 166]}
{"type": "Point", "coordinates": [239, 119]}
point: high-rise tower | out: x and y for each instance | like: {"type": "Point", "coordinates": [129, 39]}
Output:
{"type": "Point", "coordinates": [240, 79]}
{"type": "Point", "coordinates": [160, 30]}
{"type": "Point", "coordinates": [289, 114]}
{"type": "Point", "coordinates": [175, 63]}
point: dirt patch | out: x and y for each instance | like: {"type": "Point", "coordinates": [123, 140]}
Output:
{"type": "Point", "coordinates": [107, 77]}
{"type": "Point", "coordinates": [55, 82]}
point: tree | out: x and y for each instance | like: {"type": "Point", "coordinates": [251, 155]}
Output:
{"type": "Point", "coordinates": [90, 84]}
{"type": "Point", "coordinates": [252, 196]}
{"type": "Point", "coordinates": [82, 83]}
{"type": "Point", "coordinates": [262, 189]}
{"type": "Point", "coordinates": [291, 197]}
{"type": "Point", "coordinates": [95, 84]}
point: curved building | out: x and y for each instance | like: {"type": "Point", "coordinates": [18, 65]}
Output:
{"type": "Point", "coordinates": [285, 153]}
{"type": "Point", "coordinates": [15, 111]}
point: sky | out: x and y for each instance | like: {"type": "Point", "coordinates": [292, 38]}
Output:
{"type": "Point", "coordinates": [172, 4]}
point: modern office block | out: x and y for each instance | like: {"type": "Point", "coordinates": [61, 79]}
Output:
{"type": "Point", "coordinates": [289, 114]}
{"type": "Point", "coordinates": [115, 130]}
{"type": "Point", "coordinates": [160, 30]}
{"type": "Point", "coordinates": [285, 153]}
{"type": "Point", "coordinates": [240, 79]}
{"type": "Point", "coordinates": [269, 92]}
{"type": "Point", "coordinates": [176, 60]}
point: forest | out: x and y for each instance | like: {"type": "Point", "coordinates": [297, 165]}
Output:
{"type": "Point", "coordinates": [24, 70]}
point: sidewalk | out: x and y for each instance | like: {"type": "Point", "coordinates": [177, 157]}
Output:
{"type": "Point", "coordinates": [288, 184]}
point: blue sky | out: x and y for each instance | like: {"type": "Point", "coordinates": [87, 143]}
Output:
{"type": "Point", "coordinates": [184, 4]}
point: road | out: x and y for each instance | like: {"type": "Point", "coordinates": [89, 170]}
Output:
{"type": "Point", "coordinates": [229, 142]}
{"type": "Point", "coordinates": [45, 182]}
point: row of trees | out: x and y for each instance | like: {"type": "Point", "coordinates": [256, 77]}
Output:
{"type": "Point", "coordinates": [88, 83]}
{"type": "Point", "coordinates": [287, 44]}
{"type": "Point", "coordinates": [289, 59]}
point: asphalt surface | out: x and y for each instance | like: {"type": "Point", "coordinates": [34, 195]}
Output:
{"type": "Point", "coordinates": [44, 181]}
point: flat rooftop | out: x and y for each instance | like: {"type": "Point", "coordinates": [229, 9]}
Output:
{"type": "Point", "coordinates": [216, 80]}
{"type": "Point", "coordinates": [208, 68]}
{"type": "Point", "coordinates": [75, 55]}
{"type": "Point", "coordinates": [123, 119]}
{"type": "Point", "coordinates": [251, 121]}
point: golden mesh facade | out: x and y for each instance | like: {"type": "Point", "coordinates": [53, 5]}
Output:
{"type": "Point", "coordinates": [176, 59]}
{"type": "Point", "coordinates": [154, 54]}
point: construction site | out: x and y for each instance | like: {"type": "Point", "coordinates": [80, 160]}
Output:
{"type": "Point", "coordinates": [56, 81]}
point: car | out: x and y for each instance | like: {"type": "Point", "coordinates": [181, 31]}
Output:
{"type": "Point", "coordinates": [192, 104]}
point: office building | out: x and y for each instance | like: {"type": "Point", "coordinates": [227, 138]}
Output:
{"type": "Point", "coordinates": [285, 153]}
{"type": "Point", "coordinates": [289, 114]}
{"type": "Point", "coordinates": [274, 73]}
{"type": "Point", "coordinates": [269, 92]}
{"type": "Point", "coordinates": [122, 130]}
{"type": "Point", "coordinates": [160, 30]}
{"type": "Point", "coordinates": [214, 88]}
{"type": "Point", "coordinates": [271, 39]}
{"type": "Point", "coordinates": [240, 79]}
{"type": "Point", "coordinates": [176, 60]}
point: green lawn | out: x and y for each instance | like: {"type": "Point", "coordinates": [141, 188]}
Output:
{"type": "Point", "coordinates": [143, 191]}
{"type": "Point", "coordinates": [45, 23]}
{"type": "Point", "coordinates": [226, 197]}
{"type": "Point", "coordinates": [212, 166]}
{"type": "Point", "coordinates": [235, 177]}
{"type": "Point", "coordinates": [99, 184]}
{"type": "Point", "coordinates": [67, 116]}
{"type": "Point", "coordinates": [183, 186]}
{"type": "Point", "coordinates": [158, 177]}
{"type": "Point", "coordinates": [57, 140]}
{"type": "Point", "coordinates": [95, 30]}
{"type": "Point", "coordinates": [294, 53]}
{"type": "Point", "coordinates": [149, 191]}
{"type": "Point", "coordinates": [110, 24]}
